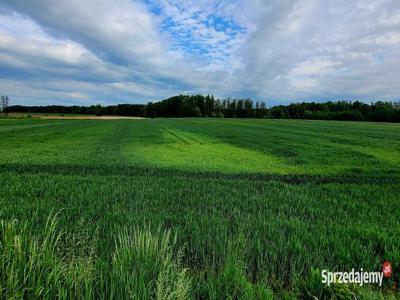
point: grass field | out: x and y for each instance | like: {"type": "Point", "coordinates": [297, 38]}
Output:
{"type": "Point", "coordinates": [57, 116]}
{"type": "Point", "coordinates": [196, 208]}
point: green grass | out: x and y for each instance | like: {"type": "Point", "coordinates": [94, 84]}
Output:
{"type": "Point", "coordinates": [198, 208]}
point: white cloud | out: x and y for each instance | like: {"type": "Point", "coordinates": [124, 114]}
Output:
{"type": "Point", "coordinates": [312, 67]}
{"type": "Point", "coordinates": [390, 38]}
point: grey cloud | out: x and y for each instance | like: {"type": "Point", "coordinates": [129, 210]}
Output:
{"type": "Point", "coordinates": [331, 32]}
{"type": "Point", "coordinates": [114, 51]}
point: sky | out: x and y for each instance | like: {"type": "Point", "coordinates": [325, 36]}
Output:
{"type": "Point", "coordinates": [75, 52]}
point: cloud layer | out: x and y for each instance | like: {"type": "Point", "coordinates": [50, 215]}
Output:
{"type": "Point", "coordinates": [125, 51]}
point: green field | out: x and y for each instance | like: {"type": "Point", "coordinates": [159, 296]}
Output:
{"type": "Point", "coordinates": [199, 208]}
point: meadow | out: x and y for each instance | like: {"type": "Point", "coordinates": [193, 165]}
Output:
{"type": "Point", "coordinates": [196, 208]}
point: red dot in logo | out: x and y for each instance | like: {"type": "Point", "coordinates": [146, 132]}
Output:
{"type": "Point", "coordinates": [387, 269]}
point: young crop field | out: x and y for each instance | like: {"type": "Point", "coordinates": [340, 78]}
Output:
{"type": "Point", "coordinates": [196, 208]}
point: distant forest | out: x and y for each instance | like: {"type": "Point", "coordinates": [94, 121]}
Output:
{"type": "Point", "coordinates": [208, 106]}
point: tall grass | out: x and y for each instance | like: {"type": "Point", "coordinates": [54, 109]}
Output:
{"type": "Point", "coordinates": [143, 266]}
{"type": "Point", "coordinates": [29, 267]}
{"type": "Point", "coordinates": [231, 280]}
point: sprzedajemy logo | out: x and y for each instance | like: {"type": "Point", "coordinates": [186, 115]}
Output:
{"type": "Point", "coordinates": [357, 277]}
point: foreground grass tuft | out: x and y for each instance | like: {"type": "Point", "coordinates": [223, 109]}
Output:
{"type": "Point", "coordinates": [144, 267]}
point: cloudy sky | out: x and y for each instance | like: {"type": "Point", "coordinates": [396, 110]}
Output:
{"type": "Point", "coordinates": [132, 51]}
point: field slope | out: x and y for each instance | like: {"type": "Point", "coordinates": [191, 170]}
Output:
{"type": "Point", "coordinates": [236, 208]}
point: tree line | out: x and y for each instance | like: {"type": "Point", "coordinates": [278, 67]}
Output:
{"type": "Point", "coordinates": [208, 106]}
